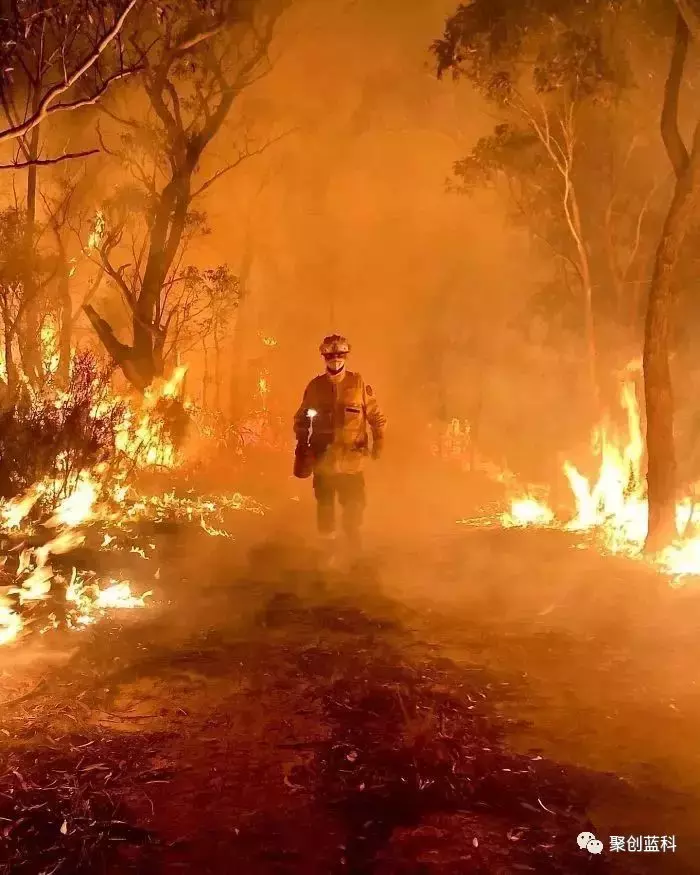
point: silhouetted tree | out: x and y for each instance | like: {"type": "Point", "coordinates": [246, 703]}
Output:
{"type": "Point", "coordinates": [57, 58]}
{"type": "Point", "coordinates": [661, 450]}
{"type": "Point", "coordinates": [201, 58]}
{"type": "Point", "coordinates": [565, 46]}
{"type": "Point", "coordinates": [555, 76]}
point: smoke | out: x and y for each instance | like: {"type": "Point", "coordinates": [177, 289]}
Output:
{"type": "Point", "coordinates": [344, 222]}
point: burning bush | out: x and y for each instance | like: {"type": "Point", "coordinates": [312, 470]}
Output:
{"type": "Point", "coordinates": [55, 435]}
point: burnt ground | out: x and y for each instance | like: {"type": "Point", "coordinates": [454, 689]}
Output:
{"type": "Point", "coordinates": [466, 703]}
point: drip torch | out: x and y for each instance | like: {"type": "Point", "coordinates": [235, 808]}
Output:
{"type": "Point", "coordinates": [303, 456]}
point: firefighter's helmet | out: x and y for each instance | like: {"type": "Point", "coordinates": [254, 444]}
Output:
{"type": "Point", "coordinates": [334, 343]}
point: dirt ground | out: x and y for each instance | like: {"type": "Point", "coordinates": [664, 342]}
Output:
{"type": "Point", "coordinates": [461, 700]}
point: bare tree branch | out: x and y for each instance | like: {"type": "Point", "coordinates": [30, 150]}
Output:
{"type": "Point", "coordinates": [242, 156]}
{"type": "Point", "coordinates": [45, 162]}
{"type": "Point", "coordinates": [47, 105]}
{"type": "Point", "coordinates": [187, 110]}
{"type": "Point", "coordinates": [527, 214]}
{"type": "Point", "coordinates": [192, 42]}
{"type": "Point", "coordinates": [638, 230]}
{"type": "Point", "coordinates": [90, 294]}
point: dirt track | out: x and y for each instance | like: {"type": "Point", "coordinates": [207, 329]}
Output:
{"type": "Point", "coordinates": [275, 719]}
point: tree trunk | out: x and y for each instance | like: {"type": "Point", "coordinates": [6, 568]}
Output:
{"type": "Point", "coordinates": [475, 424]}
{"type": "Point", "coordinates": [10, 365]}
{"type": "Point", "coordinates": [205, 376]}
{"type": "Point", "coordinates": [142, 362]}
{"type": "Point", "coordinates": [166, 235]}
{"type": "Point", "coordinates": [217, 370]}
{"type": "Point", "coordinates": [661, 464]}
{"type": "Point", "coordinates": [584, 268]}
{"type": "Point", "coordinates": [121, 354]}
{"type": "Point", "coordinates": [29, 332]}
{"type": "Point", "coordinates": [65, 323]}
{"type": "Point", "coordinates": [236, 407]}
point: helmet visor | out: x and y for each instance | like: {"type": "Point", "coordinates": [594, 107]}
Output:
{"type": "Point", "coordinates": [330, 356]}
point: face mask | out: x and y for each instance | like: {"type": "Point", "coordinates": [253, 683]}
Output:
{"type": "Point", "coordinates": [335, 366]}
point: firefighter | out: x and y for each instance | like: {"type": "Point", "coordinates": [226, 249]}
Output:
{"type": "Point", "coordinates": [332, 426]}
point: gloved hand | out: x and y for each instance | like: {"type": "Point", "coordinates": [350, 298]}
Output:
{"type": "Point", "coordinates": [377, 449]}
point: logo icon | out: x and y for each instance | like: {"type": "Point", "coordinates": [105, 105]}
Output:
{"type": "Point", "coordinates": [588, 842]}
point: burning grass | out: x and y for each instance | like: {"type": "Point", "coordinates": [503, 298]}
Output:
{"type": "Point", "coordinates": [70, 459]}
{"type": "Point", "coordinates": [77, 598]}
{"type": "Point", "coordinates": [612, 506]}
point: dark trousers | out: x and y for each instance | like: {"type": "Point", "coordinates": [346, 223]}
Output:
{"type": "Point", "coordinates": [350, 490]}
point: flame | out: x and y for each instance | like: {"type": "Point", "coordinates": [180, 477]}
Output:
{"type": "Point", "coordinates": [37, 586]}
{"type": "Point", "coordinates": [614, 506]}
{"type": "Point", "coordinates": [89, 601]}
{"type": "Point", "coordinates": [51, 356]}
{"type": "Point", "coordinates": [527, 511]}
{"type": "Point", "coordinates": [16, 510]}
{"type": "Point", "coordinates": [72, 497]}
{"type": "Point", "coordinates": [77, 507]}
{"type": "Point", "coordinates": [10, 623]}
{"type": "Point", "coordinates": [119, 595]}
{"type": "Point", "coordinates": [174, 384]}
{"type": "Point", "coordinates": [142, 435]}
{"type": "Point", "coordinates": [616, 503]}
{"type": "Point", "coordinates": [94, 240]}
{"type": "Point", "coordinates": [210, 530]}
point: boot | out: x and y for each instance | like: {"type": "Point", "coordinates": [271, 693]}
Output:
{"type": "Point", "coordinates": [328, 548]}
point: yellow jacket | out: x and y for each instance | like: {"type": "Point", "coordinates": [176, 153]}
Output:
{"type": "Point", "coordinates": [337, 434]}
